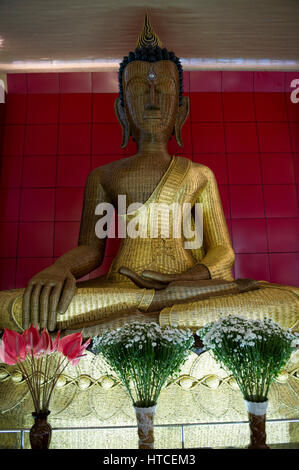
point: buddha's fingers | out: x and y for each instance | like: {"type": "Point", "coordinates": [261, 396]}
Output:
{"type": "Point", "coordinates": [35, 302]}
{"type": "Point", "coordinates": [245, 285]}
{"type": "Point", "coordinates": [67, 295]}
{"type": "Point", "coordinates": [53, 302]}
{"type": "Point", "coordinates": [140, 281]}
{"type": "Point", "coordinates": [44, 305]}
{"type": "Point", "coordinates": [167, 278]}
{"type": "Point", "coordinates": [198, 272]}
{"type": "Point", "coordinates": [27, 304]}
{"type": "Point", "coordinates": [160, 277]}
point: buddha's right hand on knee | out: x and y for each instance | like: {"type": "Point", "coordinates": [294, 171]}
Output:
{"type": "Point", "coordinates": [47, 294]}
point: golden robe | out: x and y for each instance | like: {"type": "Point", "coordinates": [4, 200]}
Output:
{"type": "Point", "coordinates": [110, 295]}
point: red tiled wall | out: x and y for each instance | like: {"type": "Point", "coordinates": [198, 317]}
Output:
{"type": "Point", "coordinates": [58, 127]}
{"type": "Point", "coordinates": [2, 117]}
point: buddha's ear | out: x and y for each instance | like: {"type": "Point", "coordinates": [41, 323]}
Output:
{"type": "Point", "coordinates": [122, 119]}
{"type": "Point", "coordinates": [182, 115]}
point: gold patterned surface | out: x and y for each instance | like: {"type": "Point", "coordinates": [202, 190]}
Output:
{"type": "Point", "coordinates": [183, 182]}
{"type": "Point", "coordinates": [279, 435]}
{"type": "Point", "coordinates": [89, 395]}
{"type": "Point", "coordinates": [272, 301]}
{"type": "Point", "coordinates": [148, 36]}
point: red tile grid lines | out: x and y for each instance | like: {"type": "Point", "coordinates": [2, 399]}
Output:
{"type": "Point", "coordinates": [59, 126]}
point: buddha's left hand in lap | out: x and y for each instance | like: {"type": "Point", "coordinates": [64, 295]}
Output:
{"type": "Point", "coordinates": [155, 280]}
{"type": "Point", "coordinates": [141, 281]}
{"type": "Point", "coordinates": [198, 272]}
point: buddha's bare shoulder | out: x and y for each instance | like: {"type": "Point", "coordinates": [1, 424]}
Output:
{"type": "Point", "coordinates": [102, 172]}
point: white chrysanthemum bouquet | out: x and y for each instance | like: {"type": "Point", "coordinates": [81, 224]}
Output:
{"type": "Point", "coordinates": [254, 351]}
{"type": "Point", "coordinates": [144, 356]}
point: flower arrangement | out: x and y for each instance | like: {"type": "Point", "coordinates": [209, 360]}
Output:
{"type": "Point", "coordinates": [33, 353]}
{"type": "Point", "coordinates": [254, 351]}
{"type": "Point", "coordinates": [144, 356]}
{"type": "Point", "coordinates": [41, 361]}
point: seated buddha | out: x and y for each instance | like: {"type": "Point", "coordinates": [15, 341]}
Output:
{"type": "Point", "coordinates": [151, 278]}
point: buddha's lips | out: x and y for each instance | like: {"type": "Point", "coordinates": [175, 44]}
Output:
{"type": "Point", "coordinates": [151, 115]}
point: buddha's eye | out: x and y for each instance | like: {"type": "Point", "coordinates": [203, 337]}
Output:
{"type": "Point", "coordinates": [166, 87]}
{"type": "Point", "coordinates": [137, 87]}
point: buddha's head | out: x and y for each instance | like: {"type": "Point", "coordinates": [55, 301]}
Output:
{"type": "Point", "coordinates": [151, 103]}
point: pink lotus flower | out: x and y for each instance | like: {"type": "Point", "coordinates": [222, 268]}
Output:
{"type": "Point", "coordinates": [72, 348]}
{"type": "Point", "coordinates": [6, 356]}
{"type": "Point", "coordinates": [15, 348]}
{"type": "Point", "coordinates": [55, 343]}
{"type": "Point", "coordinates": [12, 348]}
{"type": "Point", "coordinates": [45, 344]}
{"type": "Point", "coordinates": [38, 344]}
{"type": "Point", "coordinates": [31, 337]}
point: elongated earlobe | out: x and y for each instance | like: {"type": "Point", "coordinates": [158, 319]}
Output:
{"type": "Point", "coordinates": [122, 119]}
{"type": "Point", "coordinates": [182, 115]}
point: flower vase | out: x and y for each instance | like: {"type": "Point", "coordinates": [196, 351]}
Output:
{"type": "Point", "coordinates": [41, 431]}
{"type": "Point", "coordinates": [145, 423]}
{"type": "Point", "coordinates": [257, 423]}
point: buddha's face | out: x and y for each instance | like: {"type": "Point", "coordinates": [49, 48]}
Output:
{"type": "Point", "coordinates": [151, 95]}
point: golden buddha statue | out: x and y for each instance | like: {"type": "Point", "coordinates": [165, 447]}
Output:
{"type": "Point", "coordinates": [151, 278]}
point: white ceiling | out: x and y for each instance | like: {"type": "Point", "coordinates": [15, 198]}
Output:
{"type": "Point", "coordinates": [95, 34]}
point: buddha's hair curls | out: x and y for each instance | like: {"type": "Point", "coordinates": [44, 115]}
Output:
{"type": "Point", "coordinates": [150, 54]}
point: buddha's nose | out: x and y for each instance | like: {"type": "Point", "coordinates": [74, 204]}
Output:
{"type": "Point", "coordinates": [152, 103]}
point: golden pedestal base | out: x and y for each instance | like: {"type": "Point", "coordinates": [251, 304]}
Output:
{"type": "Point", "coordinates": [203, 407]}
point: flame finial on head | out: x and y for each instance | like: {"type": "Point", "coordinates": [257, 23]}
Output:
{"type": "Point", "coordinates": [148, 37]}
